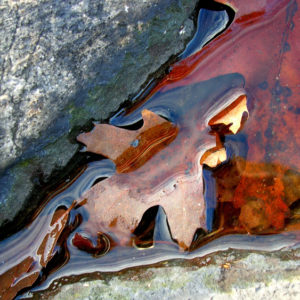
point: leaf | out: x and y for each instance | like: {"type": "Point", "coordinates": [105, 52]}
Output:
{"type": "Point", "coordinates": [58, 223]}
{"type": "Point", "coordinates": [130, 149]}
{"type": "Point", "coordinates": [99, 248]}
{"type": "Point", "coordinates": [18, 277]}
{"type": "Point", "coordinates": [263, 45]}
{"type": "Point", "coordinates": [254, 46]}
{"type": "Point", "coordinates": [172, 178]}
{"type": "Point", "coordinates": [25, 273]}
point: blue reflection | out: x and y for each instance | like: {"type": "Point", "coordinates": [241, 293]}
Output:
{"type": "Point", "coordinates": [210, 23]}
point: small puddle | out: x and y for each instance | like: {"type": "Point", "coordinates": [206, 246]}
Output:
{"type": "Point", "coordinates": [212, 163]}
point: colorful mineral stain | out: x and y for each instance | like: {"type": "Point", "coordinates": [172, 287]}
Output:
{"type": "Point", "coordinates": [251, 171]}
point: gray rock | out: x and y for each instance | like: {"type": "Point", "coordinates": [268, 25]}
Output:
{"type": "Point", "coordinates": [228, 275]}
{"type": "Point", "coordinates": [63, 63]}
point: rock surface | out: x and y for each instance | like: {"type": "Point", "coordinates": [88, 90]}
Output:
{"type": "Point", "coordinates": [228, 275]}
{"type": "Point", "coordinates": [63, 63]}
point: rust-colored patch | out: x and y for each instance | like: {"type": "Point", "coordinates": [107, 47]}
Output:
{"type": "Point", "coordinates": [259, 195]}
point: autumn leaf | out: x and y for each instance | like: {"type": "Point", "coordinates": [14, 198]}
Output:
{"type": "Point", "coordinates": [25, 273]}
{"type": "Point", "coordinates": [172, 178]}
{"type": "Point", "coordinates": [161, 163]}
{"type": "Point", "coordinates": [254, 46]}
{"type": "Point", "coordinates": [130, 149]}
{"type": "Point", "coordinates": [18, 277]}
{"type": "Point", "coordinates": [57, 225]}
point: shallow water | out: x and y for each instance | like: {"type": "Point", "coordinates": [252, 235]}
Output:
{"type": "Point", "coordinates": [119, 258]}
{"type": "Point", "coordinates": [197, 88]}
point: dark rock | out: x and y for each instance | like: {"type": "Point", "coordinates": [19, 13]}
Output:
{"type": "Point", "coordinates": [63, 63]}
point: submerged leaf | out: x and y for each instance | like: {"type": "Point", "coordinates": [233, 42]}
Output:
{"type": "Point", "coordinates": [201, 103]}
{"type": "Point", "coordinates": [57, 225]}
{"type": "Point", "coordinates": [130, 149]}
{"type": "Point", "coordinates": [172, 178]}
{"type": "Point", "coordinates": [18, 277]}
{"type": "Point", "coordinates": [26, 272]}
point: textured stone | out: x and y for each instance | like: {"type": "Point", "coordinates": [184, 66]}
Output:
{"type": "Point", "coordinates": [231, 275]}
{"type": "Point", "coordinates": [63, 63]}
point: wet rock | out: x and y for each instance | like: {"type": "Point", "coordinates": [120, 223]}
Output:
{"type": "Point", "coordinates": [63, 63]}
{"type": "Point", "coordinates": [230, 275]}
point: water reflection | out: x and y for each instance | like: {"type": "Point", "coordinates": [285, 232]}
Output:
{"type": "Point", "coordinates": [255, 191]}
{"type": "Point", "coordinates": [233, 205]}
